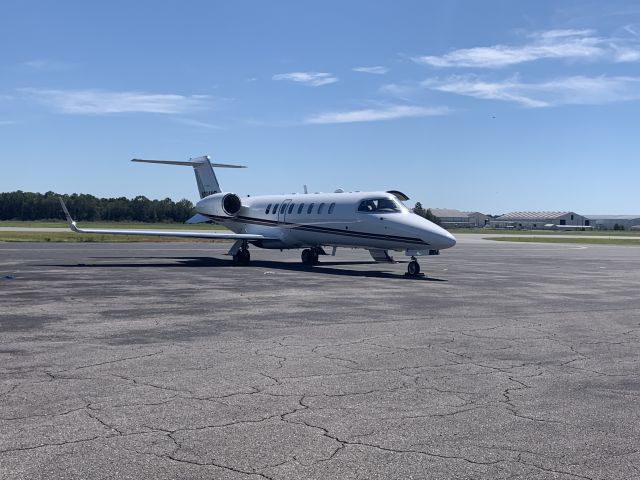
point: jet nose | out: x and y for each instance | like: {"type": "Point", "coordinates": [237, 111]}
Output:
{"type": "Point", "coordinates": [448, 240]}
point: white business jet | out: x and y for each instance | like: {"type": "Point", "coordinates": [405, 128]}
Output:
{"type": "Point", "coordinates": [375, 221]}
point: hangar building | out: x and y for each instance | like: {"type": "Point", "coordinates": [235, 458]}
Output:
{"type": "Point", "coordinates": [608, 222]}
{"type": "Point", "coordinates": [477, 219]}
{"type": "Point", "coordinates": [539, 220]}
{"type": "Point", "coordinates": [451, 218]}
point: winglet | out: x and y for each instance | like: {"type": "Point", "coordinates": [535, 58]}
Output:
{"type": "Point", "coordinates": [72, 223]}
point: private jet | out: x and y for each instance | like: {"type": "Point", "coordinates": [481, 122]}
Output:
{"type": "Point", "coordinates": [376, 221]}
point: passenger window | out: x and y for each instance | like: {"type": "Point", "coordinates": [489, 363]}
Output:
{"type": "Point", "coordinates": [320, 208]}
{"type": "Point", "coordinates": [275, 209]}
{"type": "Point", "coordinates": [283, 208]}
{"type": "Point", "coordinates": [331, 207]}
{"type": "Point", "coordinates": [310, 208]}
{"type": "Point", "coordinates": [268, 208]}
{"type": "Point", "coordinates": [300, 208]}
{"type": "Point", "coordinates": [291, 208]}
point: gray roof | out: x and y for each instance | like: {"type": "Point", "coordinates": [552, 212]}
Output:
{"type": "Point", "coordinates": [448, 213]}
{"type": "Point", "coordinates": [613, 217]}
{"type": "Point", "coordinates": [532, 215]}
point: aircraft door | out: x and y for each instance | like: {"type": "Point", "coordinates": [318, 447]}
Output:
{"type": "Point", "coordinates": [282, 212]}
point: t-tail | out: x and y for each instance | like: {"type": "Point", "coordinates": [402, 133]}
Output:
{"type": "Point", "coordinates": [203, 168]}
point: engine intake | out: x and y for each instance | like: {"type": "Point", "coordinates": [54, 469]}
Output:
{"type": "Point", "coordinates": [231, 204]}
{"type": "Point", "coordinates": [220, 205]}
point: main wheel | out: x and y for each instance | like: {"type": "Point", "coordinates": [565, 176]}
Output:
{"type": "Point", "coordinates": [413, 268]}
{"type": "Point", "coordinates": [242, 257]}
{"type": "Point", "coordinates": [307, 256]}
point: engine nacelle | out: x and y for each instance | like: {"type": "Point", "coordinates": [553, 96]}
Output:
{"type": "Point", "coordinates": [220, 205]}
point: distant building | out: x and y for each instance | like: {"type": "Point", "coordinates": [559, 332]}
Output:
{"type": "Point", "coordinates": [451, 218]}
{"type": "Point", "coordinates": [540, 220]}
{"type": "Point", "coordinates": [609, 222]}
{"type": "Point", "coordinates": [477, 219]}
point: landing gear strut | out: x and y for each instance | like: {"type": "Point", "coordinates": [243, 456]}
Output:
{"type": "Point", "coordinates": [242, 256]}
{"type": "Point", "coordinates": [413, 269]}
{"type": "Point", "coordinates": [310, 256]}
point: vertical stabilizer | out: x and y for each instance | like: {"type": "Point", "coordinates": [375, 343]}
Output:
{"type": "Point", "coordinates": [203, 169]}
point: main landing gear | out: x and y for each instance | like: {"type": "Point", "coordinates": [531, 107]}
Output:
{"type": "Point", "coordinates": [242, 256]}
{"type": "Point", "coordinates": [413, 269]}
{"type": "Point", "coordinates": [310, 256]}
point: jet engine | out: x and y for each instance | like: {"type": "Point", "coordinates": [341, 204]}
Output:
{"type": "Point", "coordinates": [220, 205]}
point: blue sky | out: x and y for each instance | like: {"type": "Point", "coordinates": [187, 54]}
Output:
{"type": "Point", "coordinates": [492, 106]}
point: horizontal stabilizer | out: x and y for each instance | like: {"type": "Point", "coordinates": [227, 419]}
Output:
{"type": "Point", "coordinates": [194, 162]}
{"type": "Point", "coordinates": [203, 168]}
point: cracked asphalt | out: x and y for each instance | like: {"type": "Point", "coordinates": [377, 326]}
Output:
{"type": "Point", "coordinates": [130, 361]}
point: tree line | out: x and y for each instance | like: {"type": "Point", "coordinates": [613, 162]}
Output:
{"type": "Point", "coordinates": [419, 210]}
{"type": "Point", "coordinates": [21, 205]}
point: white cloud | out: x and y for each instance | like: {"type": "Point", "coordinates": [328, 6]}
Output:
{"type": "Point", "coordinates": [372, 115]}
{"type": "Point", "coordinates": [575, 90]}
{"type": "Point", "coordinates": [552, 44]}
{"type": "Point", "coordinates": [7, 122]}
{"type": "Point", "coordinates": [197, 123]}
{"type": "Point", "coordinates": [626, 54]}
{"type": "Point", "coordinates": [377, 70]}
{"type": "Point", "coordinates": [47, 65]}
{"type": "Point", "coordinates": [86, 102]}
{"type": "Point", "coordinates": [314, 79]}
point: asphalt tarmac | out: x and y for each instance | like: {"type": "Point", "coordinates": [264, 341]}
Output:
{"type": "Point", "coordinates": [508, 361]}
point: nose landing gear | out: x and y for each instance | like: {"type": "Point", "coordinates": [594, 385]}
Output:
{"type": "Point", "coordinates": [413, 269]}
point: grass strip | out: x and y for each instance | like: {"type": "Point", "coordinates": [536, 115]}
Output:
{"type": "Point", "coordinates": [589, 241]}
{"type": "Point", "coordinates": [120, 225]}
{"type": "Point", "coordinates": [71, 237]}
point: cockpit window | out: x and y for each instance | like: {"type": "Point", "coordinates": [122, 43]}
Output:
{"type": "Point", "coordinates": [380, 205]}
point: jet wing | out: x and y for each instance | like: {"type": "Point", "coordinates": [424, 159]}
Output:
{"type": "Point", "coordinates": [162, 233]}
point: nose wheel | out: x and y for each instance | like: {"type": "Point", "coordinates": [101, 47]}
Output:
{"type": "Point", "coordinates": [413, 269]}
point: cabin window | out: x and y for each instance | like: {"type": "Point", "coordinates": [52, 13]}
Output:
{"type": "Point", "coordinates": [283, 208]}
{"type": "Point", "coordinates": [310, 208]}
{"type": "Point", "coordinates": [300, 208]}
{"type": "Point", "coordinates": [275, 209]}
{"type": "Point", "coordinates": [291, 208]}
{"type": "Point", "coordinates": [268, 208]}
{"type": "Point", "coordinates": [331, 207]}
{"type": "Point", "coordinates": [320, 208]}
{"type": "Point", "coordinates": [379, 205]}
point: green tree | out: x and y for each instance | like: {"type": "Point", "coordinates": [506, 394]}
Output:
{"type": "Point", "coordinates": [428, 214]}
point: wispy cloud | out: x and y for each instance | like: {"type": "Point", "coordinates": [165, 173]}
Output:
{"type": "Point", "coordinates": [95, 102]}
{"type": "Point", "coordinates": [4, 123]}
{"type": "Point", "coordinates": [197, 123]}
{"type": "Point", "coordinates": [551, 44]}
{"type": "Point", "coordinates": [575, 90]}
{"type": "Point", "coordinates": [47, 65]}
{"type": "Point", "coordinates": [377, 70]}
{"type": "Point", "coordinates": [314, 79]}
{"type": "Point", "coordinates": [377, 114]}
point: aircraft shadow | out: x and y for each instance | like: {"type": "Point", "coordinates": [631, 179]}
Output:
{"type": "Point", "coordinates": [325, 268]}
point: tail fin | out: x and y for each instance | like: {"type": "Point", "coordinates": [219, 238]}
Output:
{"type": "Point", "coordinates": [203, 168]}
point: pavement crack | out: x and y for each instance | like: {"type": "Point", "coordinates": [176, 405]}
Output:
{"type": "Point", "coordinates": [553, 470]}
{"type": "Point", "coordinates": [108, 362]}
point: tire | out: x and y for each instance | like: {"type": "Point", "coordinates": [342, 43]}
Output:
{"type": "Point", "coordinates": [413, 268]}
{"type": "Point", "coordinates": [306, 256]}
